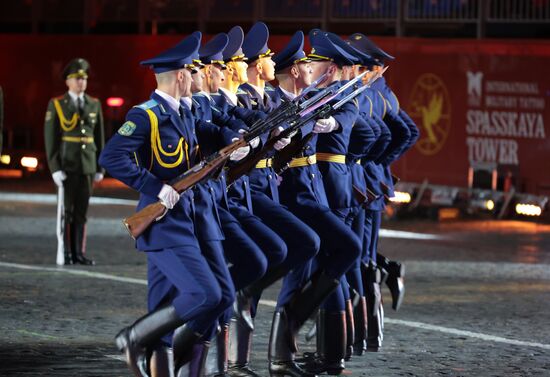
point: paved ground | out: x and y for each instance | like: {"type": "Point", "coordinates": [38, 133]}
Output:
{"type": "Point", "coordinates": [477, 304]}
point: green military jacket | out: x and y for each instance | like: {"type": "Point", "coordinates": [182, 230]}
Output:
{"type": "Point", "coordinates": [74, 142]}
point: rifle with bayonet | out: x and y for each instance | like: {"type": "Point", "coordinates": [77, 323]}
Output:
{"type": "Point", "coordinates": [295, 121]}
{"type": "Point", "coordinates": [284, 157]}
{"type": "Point", "coordinates": [288, 112]}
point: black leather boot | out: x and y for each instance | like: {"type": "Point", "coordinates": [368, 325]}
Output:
{"type": "Point", "coordinates": [331, 344]}
{"type": "Point", "coordinates": [395, 280]}
{"type": "Point", "coordinates": [134, 340]}
{"type": "Point", "coordinates": [254, 290]}
{"type": "Point", "coordinates": [350, 330]}
{"type": "Point", "coordinates": [160, 364]}
{"type": "Point", "coordinates": [371, 285]}
{"type": "Point", "coordinates": [189, 352]}
{"type": "Point", "coordinates": [281, 358]}
{"type": "Point", "coordinates": [80, 245]}
{"type": "Point", "coordinates": [360, 324]}
{"type": "Point", "coordinates": [240, 343]}
{"type": "Point", "coordinates": [306, 301]}
{"type": "Point", "coordinates": [216, 361]}
{"type": "Point", "coordinates": [195, 367]}
{"type": "Point", "coordinates": [68, 244]}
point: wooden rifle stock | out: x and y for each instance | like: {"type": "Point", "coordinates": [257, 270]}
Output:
{"type": "Point", "coordinates": [140, 221]}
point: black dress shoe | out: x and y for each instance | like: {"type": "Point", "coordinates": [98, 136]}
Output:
{"type": "Point", "coordinates": [242, 371]}
{"type": "Point", "coordinates": [288, 368]}
{"type": "Point", "coordinates": [81, 259]}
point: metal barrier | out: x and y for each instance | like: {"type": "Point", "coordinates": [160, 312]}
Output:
{"type": "Point", "coordinates": [518, 11]}
{"type": "Point", "coordinates": [442, 10]}
{"type": "Point", "coordinates": [84, 16]}
{"type": "Point", "coordinates": [379, 10]}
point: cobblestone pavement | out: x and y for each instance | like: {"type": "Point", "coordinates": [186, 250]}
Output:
{"type": "Point", "coordinates": [477, 303]}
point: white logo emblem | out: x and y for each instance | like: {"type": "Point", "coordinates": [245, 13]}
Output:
{"type": "Point", "coordinates": [475, 81]}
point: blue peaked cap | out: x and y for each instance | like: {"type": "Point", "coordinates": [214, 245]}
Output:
{"type": "Point", "coordinates": [362, 58]}
{"type": "Point", "coordinates": [323, 49]}
{"type": "Point", "coordinates": [196, 59]}
{"type": "Point", "coordinates": [292, 53]}
{"type": "Point", "coordinates": [212, 52]}
{"type": "Point", "coordinates": [233, 51]}
{"type": "Point", "coordinates": [364, 44]}
{"type": "Point", "coordinates": [255, 42]}
{"type": "Point", "coordinates": [177, 57]}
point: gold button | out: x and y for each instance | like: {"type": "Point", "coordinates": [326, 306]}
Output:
{"type": "Point", "coordinates": [83, 146]}
{"type": "Point", "coordinates": [312, 175]}
{"type": "Point", "coordinates": [83, 131]}
{"type": "Point", "coordinates": [81, 122]}
{"type": "Point", "coordinates": [270, 176]}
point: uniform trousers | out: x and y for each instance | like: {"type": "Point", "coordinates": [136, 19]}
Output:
{"type": "Point", "coordinates": [78, 189]}
{"type": "Point", "coordinates": [196, 284]}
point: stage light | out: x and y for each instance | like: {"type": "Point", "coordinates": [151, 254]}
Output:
{"type": "Point", "coordinates": [528, 209]}
{"type": "Point", "coordinates": [115, 101]}
{"type": "Point", "coordinates": [29, 162]}
{"type": "Point", "coordinates": [401, 197]}
{"type": "Point", "coordinates": [5, 159]}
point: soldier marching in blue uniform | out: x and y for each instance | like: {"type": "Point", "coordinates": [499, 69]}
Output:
{"type": "Point", "coordinates": [404, 134]}
{"type": "Point", "coordinates": [156, 144]}
{"type": "Point", "coordinates": [302, 190]}
{"type": "Point", "coordinates": [301, 241]}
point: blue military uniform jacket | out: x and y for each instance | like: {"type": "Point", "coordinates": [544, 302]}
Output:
{"type": "Point", "coordinates": [154, 146]}
{"type": "Point", "coordinates": [337, 177]}
{"type": "Point", "coordinates": [261, 179]}
{"type": "Point", "coordinates": [208, 194]}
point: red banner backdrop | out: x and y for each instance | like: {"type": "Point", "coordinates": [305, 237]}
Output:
{"type": "Point", "coordinates": [474, 101]}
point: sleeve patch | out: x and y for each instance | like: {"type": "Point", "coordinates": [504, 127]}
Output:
{"type": "Point", "coordinates": [127, 128]}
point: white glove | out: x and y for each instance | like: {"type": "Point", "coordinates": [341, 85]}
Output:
{"type": "Point", "coordinates": [98, 177]}
{"type": "Point", "coordinates": [254, 142]}
{"type": "Point", "coordinates": [58, 177]}
{"type": "Point", "coordinates": [168, 196]}
{"type": "Point", "coordinates": [240, 153]}
{"type": "Point", "coordinates": [324, 126]}
{"type": "Point", "coordinates": [280, 144]}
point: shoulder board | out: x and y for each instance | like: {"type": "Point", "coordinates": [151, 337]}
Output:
{"type": "Point", "coordinates": [92, 99]}
{"type": "Point", "coordinates": [59, 97]}
{"type": "Point", "coordinates": [240, 91]}
{"type": "Point", "coordinates": [148, 105]}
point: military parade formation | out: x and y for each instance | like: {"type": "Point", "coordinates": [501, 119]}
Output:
{"type": "Point", "coordinates": [242, 183]}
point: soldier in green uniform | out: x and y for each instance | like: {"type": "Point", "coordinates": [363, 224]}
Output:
{"type": "Point", "coordinates": [73, 131]}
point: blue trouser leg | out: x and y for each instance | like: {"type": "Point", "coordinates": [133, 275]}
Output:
{"type": "Point", "coordinates": [295, 279]}
{"type": "Point", "coordinates": [182, 276]}
{"type": "Point", "coordinates": [373, 246]}
{"type": "Point", "coordinates": [270, 243]}
{"type": "Point", "coordinates": [354, 274]}
{"type": "Point", "coordinates": [272, 246]}
{"type": "Point", "coordinates": [367, 236]}
{"type": "Point", "coordinates": [213, 252]}
{"type": "Point", "coordinates": [301, 241]}
{"type": "Point", "coordinates": [248, 262]}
